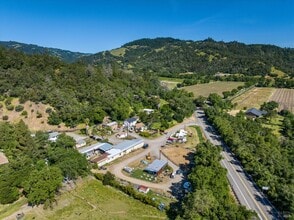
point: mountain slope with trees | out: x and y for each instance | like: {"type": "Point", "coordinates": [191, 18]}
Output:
{"type": "Point", "coordinates": [172, 57]}
{"type": "Point", "coordinates": [79, 92]}
{"type": "Point", "coordinates": [64, 55]}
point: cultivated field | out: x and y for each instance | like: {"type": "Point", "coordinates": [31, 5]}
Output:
{"type": "Point", "coordinates": [213, 87]}
{"type": "Point", "coordinates": [91, 200]}
{"type": "Point", "coordinates": [255, 97]}
{"type": "Point", "coordinates": [285, 98]}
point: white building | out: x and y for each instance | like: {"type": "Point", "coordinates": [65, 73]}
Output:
{"type": "Point", "coordinates": [53, 136]}
{"type": "Point", "coordinates": [118, 150]}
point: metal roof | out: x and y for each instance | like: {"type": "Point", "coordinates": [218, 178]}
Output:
{"type": "Point", "coordinates": [125, 145]}
{"type": "Point", "coordinates": [113, 152]}
{"type": "Point", "coordinates": [156, 166]}
{"type": "Point", "coordinates": [255, 112]}
{"type": "Point", "coordinates": [90, 148]}
{"type": "Point", "coordinates": [105, 147]}
{"type": "Point", "coordinates": [53, 134]}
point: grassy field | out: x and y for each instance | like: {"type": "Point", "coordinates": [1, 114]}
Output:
{"type": "Point", "coordinates": [200, 135]}
{"type": "Point", "coordinates": [91, 200]}
{"type": "Point", "coordinates": [275, 124]}
{"type": "Point", "coordinates": [6, 210]}
{"type": "Point", "coordinates": [170, 82]}
{"type": "Point", "coordinates": [254, 97]}
{"type": "Point", "coordinates": [213, 87]}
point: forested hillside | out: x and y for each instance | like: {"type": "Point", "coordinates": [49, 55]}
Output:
{"type": "Point", "coordinates": [171, 57]}
{"type": "Point", "coordinates": [80, 92]}
{"type": "Point", "coordinates": [64, 55]}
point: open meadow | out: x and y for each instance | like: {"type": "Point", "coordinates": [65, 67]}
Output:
{"type": "Point", "coordinates": [170, 82]}
{"type": "Point", "coordinates": [92, 200]}
{"type": "Point", "coordinates": [213, 87]}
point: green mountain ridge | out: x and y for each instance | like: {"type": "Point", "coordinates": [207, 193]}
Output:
{"type": "Point", "coordinates": [64, 55]}
{"type": "Point", "coordinates": [171, 57]}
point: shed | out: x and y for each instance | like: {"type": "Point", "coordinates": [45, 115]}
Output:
{"type": "Point", "coordinates": [253, 112]}
{"type": "Point", "coordinates": [156, 167]}
{"type": "Point", "coordinates": [143, 189]}
{"type": "Point", "coordinates": [53, 136]}
{"type": "Point", "coordinates": [80, 143]}
{"type": "Point", "coordinates": [113, 125]}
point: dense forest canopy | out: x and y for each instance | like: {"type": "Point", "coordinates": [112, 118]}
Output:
{"type": "Point", "coordinates": [79, 91]}
{"type": "Point", "coordinates": [171, 57]}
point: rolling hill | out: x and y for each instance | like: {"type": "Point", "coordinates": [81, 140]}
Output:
{"type": "Point", "coordinates": [173, 57]}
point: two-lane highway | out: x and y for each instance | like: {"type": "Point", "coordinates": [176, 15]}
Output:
{"type": "Point", "coordinates": [246, 191]}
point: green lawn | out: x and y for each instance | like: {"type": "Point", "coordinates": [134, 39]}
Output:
{"type": "Point", "coordinates": [140, 174]}
{"type": "Point", "coordinates": [92, 200]}
{"type": "Point", "coordinates": [199, 133]}
{"type": "Point", "coordinates": [212, 87]}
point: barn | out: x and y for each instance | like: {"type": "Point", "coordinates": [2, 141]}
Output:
{"type": "Point", "coordinates": [156, 167]}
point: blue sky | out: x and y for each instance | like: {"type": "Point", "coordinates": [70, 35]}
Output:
{"type": "Point", "coordinates": [93, 26]}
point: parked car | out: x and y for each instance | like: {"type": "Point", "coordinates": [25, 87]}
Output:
{"type": "Point", "coordinates": [145, 146]}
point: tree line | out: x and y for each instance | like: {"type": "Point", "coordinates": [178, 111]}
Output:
{"type": "Point", "coordinates": [210, 197]}
{"type": "Point", "coordinates": [266, 157]}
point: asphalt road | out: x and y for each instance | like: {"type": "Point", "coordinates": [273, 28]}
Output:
{"type": "Point", "coordinates": [244, 188]}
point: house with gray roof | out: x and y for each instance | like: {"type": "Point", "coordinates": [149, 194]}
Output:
{"type": "Point", "coordinates": [255, 113]}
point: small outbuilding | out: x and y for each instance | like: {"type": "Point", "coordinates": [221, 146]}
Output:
{"type": "Point", "coordinates": [80, 143]}
{"type": "Point", "coordinates": [53, 136]}
{"type": "Point", "coordinates": [156, 167]}
{"type": "Point", "coordinates": [143, 189]}
{"type": "Point", "coordinates": [255, 113]}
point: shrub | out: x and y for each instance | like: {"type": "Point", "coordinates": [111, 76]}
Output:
{"type": "Point", "coordinates": [10, 107]}
{"type": "Point", "coordinates": [39, 115]}
{"type": "Point", "coordinates": [1, 105]}
{"type": "Point", "coordinates": [19, 108]}
{"type": "Point", "coordinates": [48, 110]}
{"type": "Point", "coordinates": [24, 113]}
{"type": "Point", "coordinates": [8, 101]}
{"type": "Point", "coordinates": [5, 117]}
{"type": "Point", "coordinates": [145, 134]}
